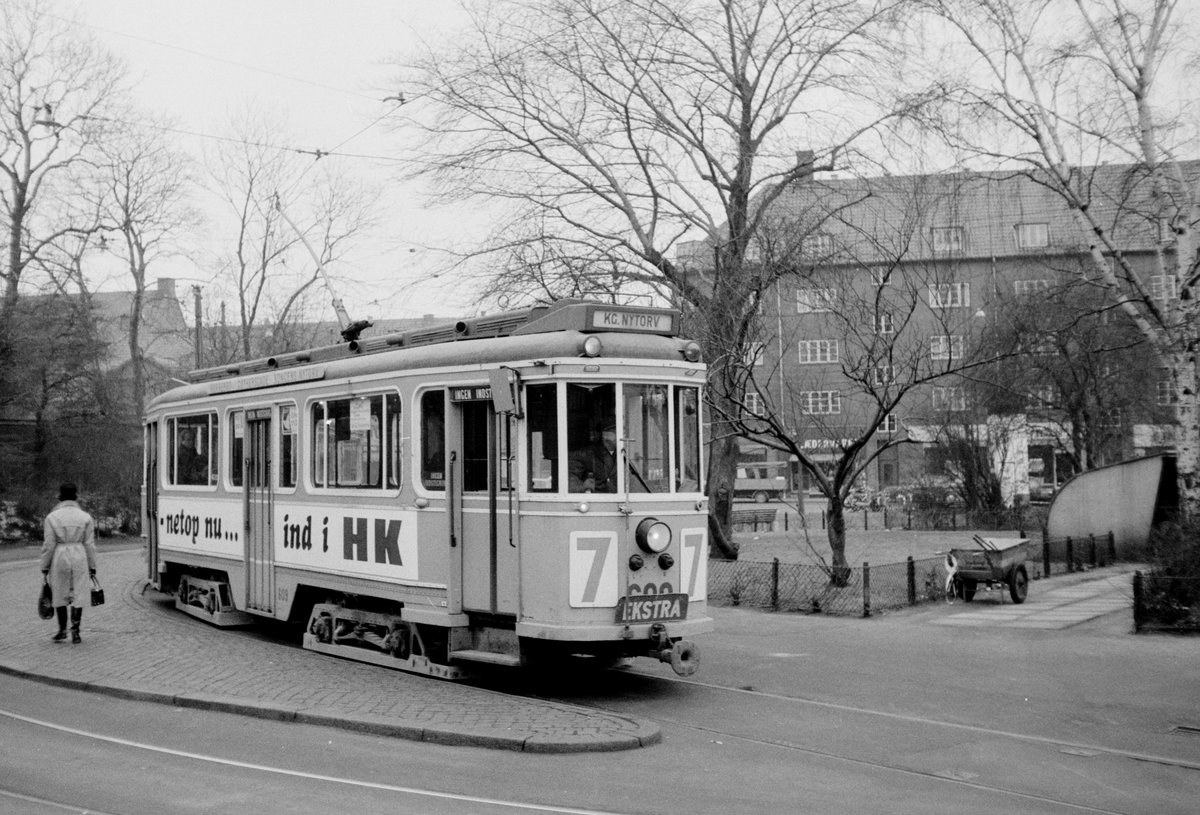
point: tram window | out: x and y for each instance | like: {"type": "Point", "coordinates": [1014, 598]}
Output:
{"type": "Point", "coordinates": [591, 465]}
{"type": "Point", "coordinates": [348, 441]}
{"type": "Point", "coordinates": [541, 423]}
{"type": "Point", "coordinates": [194, 448]}
{"type": "Point", "coordinates": [433, 440]}
{"type": "Point", "coordinates": [687, 439]}
{"type": "Point", "coordinates": [476, 419]}
{"type": "Point", "coordinates": [288, 432]}
{"type": "Point", "coordinates": [237, 446]}
{"type": "Point", "coordinates": [646, 437]}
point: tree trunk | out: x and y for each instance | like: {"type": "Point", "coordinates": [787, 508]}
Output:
{"type": "Point", "coordinates": [836, 529]}
{"type": "Point", "coordinates": [1187, 433]}
{"type": "Point", "coordinates": [722, 468]}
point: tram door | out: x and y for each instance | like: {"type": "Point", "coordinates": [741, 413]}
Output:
{"type": "Point", "coordinates": [150, 512]}
{"type": "Point", "coordinates": [487, 509]}
{"type": "Point", "coordinates": [258, 499]}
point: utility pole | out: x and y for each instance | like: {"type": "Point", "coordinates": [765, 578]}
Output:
{"type": "Point", "coordinates": [199, 351]}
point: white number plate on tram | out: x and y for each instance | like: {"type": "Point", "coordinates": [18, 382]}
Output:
{"type": "Point", "coordinates": [652, 608]}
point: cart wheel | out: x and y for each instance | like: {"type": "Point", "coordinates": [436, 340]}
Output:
{"type": "Point", "coordinates": [1018, 585]}
{"type": "Point", "coordinates": [968, 589]}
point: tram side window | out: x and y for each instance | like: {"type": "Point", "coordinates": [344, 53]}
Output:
{"type": "Point", "coordinates": [237, 446]}
{"type": "Point", "coordinates": [687, 439]}
{"type": "Point", "coordinates": [350, 437]}
{"type": "Point", "coordinates": [194, 447]}
{"type": "Point", "coordinates": [288, 440]}
{"type": "Point", "coordinates": [646, 437]}
{"type": "Point", "coordinates": [541, 423]}
{"type": "Point", "coordinates": [433, 440]}
{"type": "Point", "coordinates": [591, 437]}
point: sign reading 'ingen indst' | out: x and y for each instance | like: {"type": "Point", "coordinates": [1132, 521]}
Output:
{"type": "Point", "coordinates": [630, 321]}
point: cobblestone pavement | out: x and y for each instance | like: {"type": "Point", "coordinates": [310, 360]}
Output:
{"type": "Point", "coordinates": [137, 646]}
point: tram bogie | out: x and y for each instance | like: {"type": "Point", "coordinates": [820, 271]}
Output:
{"type": "Point", "coordinates": [491, 492]}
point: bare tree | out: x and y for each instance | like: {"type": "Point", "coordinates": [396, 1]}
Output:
{"type": "Point", "coordinates": [265, 262]}
{"type": "Point", "coordinates": [1058, 91]}
{"type": "Point", "coordinates": [143, 188]}
{"type": "Point", "coordinates": [872, 342]}
{"type": "Point", "coordinates": [631, 126]}
{"type": "Point", "coordinates": [55, 88]}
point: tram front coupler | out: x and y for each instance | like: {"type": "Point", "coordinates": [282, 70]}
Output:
{"type": "Point", "coordinates": [682, 655]}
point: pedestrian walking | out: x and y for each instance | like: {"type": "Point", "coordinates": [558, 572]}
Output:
{"type": "Point", "coordinates": [69, 559]}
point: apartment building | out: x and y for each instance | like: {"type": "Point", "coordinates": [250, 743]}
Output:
{"type": "Point", "coordinates": [956, 305]}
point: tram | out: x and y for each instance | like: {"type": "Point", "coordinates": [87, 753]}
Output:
{"type": "Point", "coordinates": [500, 490]}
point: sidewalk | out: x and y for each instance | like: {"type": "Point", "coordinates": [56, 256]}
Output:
{"type": "Point", "coordinates": [138, 647]}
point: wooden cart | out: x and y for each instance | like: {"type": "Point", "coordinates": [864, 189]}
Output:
{"type": "Point", "coordinates": [992, 561]}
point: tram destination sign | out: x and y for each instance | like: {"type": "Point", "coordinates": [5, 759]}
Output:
{"type": "Point", "coordinates": [656, 322]}
{"type": "Point", "coordinates": [271, 379]}
{"type": "Point", "coordinates": [652, 608]}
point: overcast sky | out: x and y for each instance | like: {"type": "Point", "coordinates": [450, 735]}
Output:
{"type": "Point", "coordinates": [324, 66]}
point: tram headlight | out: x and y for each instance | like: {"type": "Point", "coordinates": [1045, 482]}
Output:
{"type": "Point", "coordinates": [592, 346]}
{"type": "Point", "coordinates": [653, 535]}
{"type": "Point", "coordinates": [691, 351]}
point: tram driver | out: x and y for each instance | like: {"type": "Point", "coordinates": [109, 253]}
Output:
{"type": "Point", "coordinates": [593, 468]}
{"type": "Point", "coordinates": [191, 463]}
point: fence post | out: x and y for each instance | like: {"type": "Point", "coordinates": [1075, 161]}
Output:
{"type": "Point", "coordinates": [1070, 554]}
{"type": "Point", "coordinates": [866, 589]}
{"type": "Point", "coordinates": [1092, 548]}
{"type": "Point", "coordinates": [1137, 601]}
{"type": "Point", "coordinates": [908, 524]}
{"type": "Point", "coordinates": [822, 519]}
{"type": "Point", "coordinates": [912, 581]}
{"type": "Point", "coordinates": [1045, 554]}
{"type": "Point", "coordinates": [886, 525]}
{"type": "Point", "coordinates": [866, 522]}
{"type": "Point", "coordinates": [775, 584]}
{"type": "Point", "coordinates": [1112, 547]}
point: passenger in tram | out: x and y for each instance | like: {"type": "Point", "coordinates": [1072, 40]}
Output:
{"type": "Point", "coordinates": [594, 467]}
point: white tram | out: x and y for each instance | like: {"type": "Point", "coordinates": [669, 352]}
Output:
{"type": "Point", "coordinates": [442, 497]}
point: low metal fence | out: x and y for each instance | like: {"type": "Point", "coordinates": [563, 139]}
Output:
{"type": "Point", "coordinates": [870, 588]}
{"type": "Point", "coordinates": [1165, 603]}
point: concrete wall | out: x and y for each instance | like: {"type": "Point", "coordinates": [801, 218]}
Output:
{"type": "Point", "coordinates": [1119, 498]}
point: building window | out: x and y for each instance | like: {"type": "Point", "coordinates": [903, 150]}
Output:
{"type": "Point", "coordinates": [754, 354]}
{"type": "Point", "coordinates": [885, 325]}
{"type": "Point", "coordinates": [883, 375]}
{"type": "Point", "coordinates": [1165, 392]}
{"type": "Point", "coordinates": [949, 398]}
{"type": "Point", "coordinates": [818, 351]}
{"type": "Point", "coordinates": [950, 295]}
{"type": "Point", "coordinates": [816, 402]}
{"type": "Point", "coordinates": [810, 300]}
{"type": "Point", "coordinates": [754, 403]}
{"type": "Point", "coordinates": [1038, 343]}
{"type": "Point", "coordinates": [890, 424]}
{"type": "Point", "coordinates": [817, 244]}
{"type": "Point", "coordinates": [882, 275]}
{"type": "Point", "coordinates": [1032, 236]}
{"type": "Point", "coordinates": [1164, 287]}
{"type": "Point", "coordinates": [1023, 288]}
{"type": "Point", "coordinates": [946, 346]}
{"type": "Point", "coordinates": [947, 238]}
{"type": "Point", "coordinates": [1042, 398]}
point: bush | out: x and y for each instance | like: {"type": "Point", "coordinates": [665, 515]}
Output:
{"type": "Point", "coordinates": [1171, 591]}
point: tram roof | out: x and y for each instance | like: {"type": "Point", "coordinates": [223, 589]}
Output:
{"type": "Point", "coordinates": [563, 317]}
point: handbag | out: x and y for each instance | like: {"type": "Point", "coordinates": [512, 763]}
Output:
{"type": "Point", "coordinates": [45, 603]}
{"type": "Point", "coordinates": [97, 592]}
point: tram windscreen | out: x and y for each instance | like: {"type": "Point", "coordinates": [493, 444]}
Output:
{"type": "Point", "coordinates": [653, 448]}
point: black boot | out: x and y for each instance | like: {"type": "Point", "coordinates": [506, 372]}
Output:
{"type": "Point", "coordinates": [76, 618]}
{"type": "Point", "coordinates": [61, 611]}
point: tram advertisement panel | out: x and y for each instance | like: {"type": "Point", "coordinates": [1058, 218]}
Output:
{"type": "Point", "coordinates": [363, 540]}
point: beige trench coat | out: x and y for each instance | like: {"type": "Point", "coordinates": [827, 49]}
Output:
{"type": "Point", "coordinates": [68, 552]}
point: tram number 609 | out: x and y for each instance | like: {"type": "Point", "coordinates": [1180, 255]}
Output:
{"type": "Point", "coordinates": [593, 567]}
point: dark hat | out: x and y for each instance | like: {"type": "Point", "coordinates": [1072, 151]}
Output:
{"type": "Point", "coordinates": [611, 424]}
{"type": "Point", "coordinates": [67, 492]}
